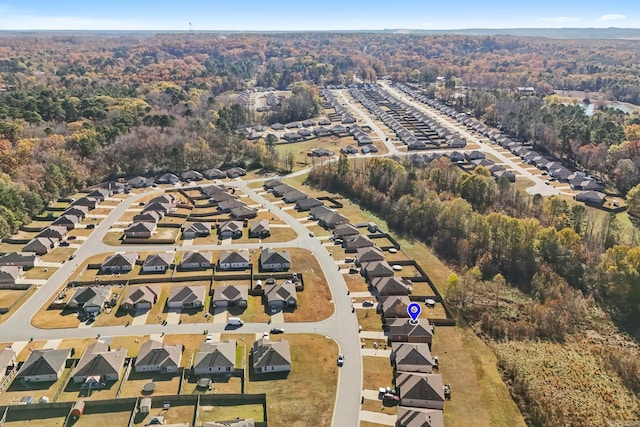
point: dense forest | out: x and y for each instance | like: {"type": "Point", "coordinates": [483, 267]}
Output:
{"type": "Point", "coordinates": [78, 110]}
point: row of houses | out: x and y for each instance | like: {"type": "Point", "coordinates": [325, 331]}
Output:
{"type": "Point", "coordinates": [51, 236]}
{"type": "Point", "coordinates": [100, 364]}
{"type": "Point", "coordinates": [407, 138]}
{"type": "Point", "coordinates": [186, 176]}
{"type": "Point", "coordinates": [421, 393]}
{"type": "Point", "coordinates": [341, 113]}
{"type": "Point", "coordinates": [124, 262]}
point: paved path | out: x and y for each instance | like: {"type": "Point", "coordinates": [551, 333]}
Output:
{"type": "Point", "coordinates": [376, 353]}
{"type": "Point", "coordinates": [373, 335]}
{"type": "Point", "coordinates": [378, 418]}
{"type": "Point", "coordinates": [371, 394]}
{"type": "Point", "coordinates": [52, 344]}
{"type": "Point", "coordinates": [140, 317]}
{"type": "Point", "coordinates": [173, 316]}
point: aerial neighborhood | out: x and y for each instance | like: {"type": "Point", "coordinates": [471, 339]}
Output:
{"type": "Point", "coordinates": [381, 229]}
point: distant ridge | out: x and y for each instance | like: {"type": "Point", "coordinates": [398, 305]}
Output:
{"type": "Point", "coordinates": [553, 33]}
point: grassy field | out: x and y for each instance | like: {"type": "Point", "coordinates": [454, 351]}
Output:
{"type": "Point", "coordinates": [19, 389]}
{"type": "Point", "coordinates": [58, 255]}
{"type": "Point", "coordinates": [300, 400]}
{"type": "Point", "coordinates": [479, 396]}
{"type": "Point", "coordinates": [8, 297]}
{"type": "Point", "coordinates": [369, 319]}
{"type": "Point", "coordinates": [40, 273]}
{"type": "Point", "coordinates": [314, 302]}
{"type": "Point", "coordinates": [114, 418]}
{"type": "Point", "coordinates": [131, 343]}
{"type": "Point", "coordinates": [376, 372]}
{"type": "Point", "coordinates": [219, 413]}
{"type": "Point", "coordinates": [166, 384]}
{"type": "Point", "coordinates": [355, 282]}
{"type": "Point", "coordinates": [54, 319]}
{"type": "Point", "coordinates": [17, 303]}
{"type": "Point", "coordinates": [569, 378]}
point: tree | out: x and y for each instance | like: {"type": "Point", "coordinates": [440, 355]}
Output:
{"type": "Point", "coordinates": [633, 201]}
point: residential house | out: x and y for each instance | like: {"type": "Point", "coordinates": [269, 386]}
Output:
{"type": "Point", "coordinates": [213, 190]}
{"type": "Point", "coordinates": [187, 297]}
{"type": "Point", "coordinates": [358, 241]}
{"type": "Point", "coordinates": [166, 198]}
{"type": "Point", "coordinates": [307, 203]}
{"type": "Point", "coordinates": [394, 306]}
{"type": "Point", "coordinates": [227, 205]}
{"type": "Point", "coordinates": [140, 297]}
{"type": "Point", "coordinates": [411, 357]}
{"type": "Point", "coordinates": [230, 295]}
{"type": "Point", "coordinates": [156, 356]}
{"type": "Point", "coordinates": [140, 182]}
{"type": "Point", "coordinates": [350, 149]}
{"type": "Point", "coordinates": [589, 197]}
{"type": "Point", "coordinates": [9, 274]}
{"type": "Point", "coordinates": [140, 230]}
{"type": "Point", "coordinates": [271, 183]}
{"type": "Point", "coordinates": [159, 262]}
{"type": "Point", "coordinates": [281, 189]}
{"type": "Point", "coordinates": [402, 330]}
{"type": "Point", "coordinates": [168, 178]}
{"type": "Point", "coordinates": [7, 360]}
{"type": "Point", "coordinates": [40, 245]}
{"type": "Point", "coordinates": [420, 390]}
{"type": "Point", "coordinates": [68, 221]}
{"type": "Point", "coordinates": [113, 187]}
{"type": "Point", "coordinates": [345, 230]}
{"type": "Point", "coordinates": [194, 260]}
{"type": "Point", "coordinates": [332, 220]}
{"type": "Point", "coordinates": [44, 365]}
{"type": "Point", "coordinates": [214, 173]}
{"type": "Point", "coordinates": [100, 193]}
{"type": "Point", "coordinates": [119, 263]}
{"type": "Point", "coordinates": [387, 286]}
{"type": "Point", "coordinates": [162, 208]}
{"type": "Point", "coordinates": [234, 260]}
{"type": "Point", "coordinates": [89, 299]}
{"type": "Point", "coordinates": [99, 364]}
{"type": "Point", "coordinates": [149, 216]}
{"type": "Point", "coordinates": [374, 269]}
{"type": "Point", "coordinates": [235, 172]}
{"type": "Point", "coordinates": [281, 295]}
{"type": "Point", "coordinates": [189, 176]}
{"type": "Point", "coordinates": [79, 211]}
{"type": "Point", "coordinates": [320, 211]}
{"type": "Point", "coordinates": [293, 196]}
{"type": "Point", "coordinates": [271, 356]}
{"type": "Point", "coordinates": [25, 260]}
{"type": "Point", "coordinates": [259, 229]}
{"type": "Point", "coordinates": [196, 229]}
{"type": "Point", "coordinates": [54, 232]}
{"type": "Point", "coordinates": [271, 260]}
{"type": "Point", "coordinates": [215, 358]}
{"type": "Point", "coordinates": [88, 202]}
{"type": "Point", "coordinates": [243, 212]}
{"type": "Point", "coordinates": [231, 230]}
{"type": "Point", "coordinates": [366, 149]}
{"type": "Point", "coordinates": [320, 152]}
{"type": "Point", "coordinates": [419, 417]}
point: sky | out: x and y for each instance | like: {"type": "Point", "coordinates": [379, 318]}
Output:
{"type": "Point", "coordinates": [301, 15]}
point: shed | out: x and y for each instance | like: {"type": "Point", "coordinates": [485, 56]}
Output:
{"type": "Point", "coordinates": [78, 408]}
{"type": "Point", "coordinates": [145, 405]}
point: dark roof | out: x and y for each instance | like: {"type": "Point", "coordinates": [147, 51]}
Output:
{"type": "Point", "coordinates": [44, 362]}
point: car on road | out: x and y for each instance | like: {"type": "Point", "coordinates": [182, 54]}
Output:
{"type": "Point", "coordinates": [340, 359]}
{"type": "Point", "coordinates": [277, 330]}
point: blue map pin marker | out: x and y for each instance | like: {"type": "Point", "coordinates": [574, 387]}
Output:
{"type": "Point", "coordinates": [414, 310]}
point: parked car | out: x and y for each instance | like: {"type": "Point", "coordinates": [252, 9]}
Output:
{"type": "Point", "coordinates": [72, 237]}
{"type": "Point", "coordinates": [91, 226]}
{"type": "Point", "coordinates": [270, 281]}
{"type": "Point", "coordinates": [311, 234]}
{"type": "Point", "coordinates": [63, 244]}
{"type": "Point", "coordinates": [389, 399]}
{"type": "Point", "coordinates": [340, 359]}
{"type": "Point", "coordinates": [277, 330]}
{"type": "Point", "coordinates": [72, 256]}
{"type": "Point", "coordinates": [367, 303]}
